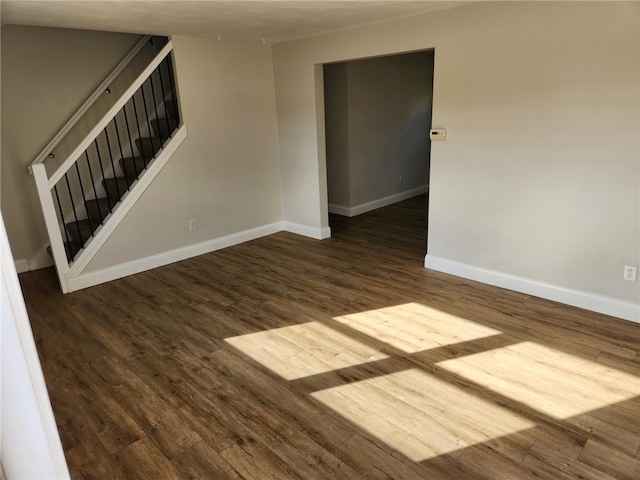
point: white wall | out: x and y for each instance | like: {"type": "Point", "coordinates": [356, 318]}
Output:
{"type": "Point", "coordinates": [46, 75]}
{"type": "Point", "coordinates": [539, 177]}
{"type": "Point", "coordinates": [225, 174]}
{"type": "Point", "coordinates": [30, 446]}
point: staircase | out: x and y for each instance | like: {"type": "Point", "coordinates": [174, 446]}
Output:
{"type": "Point", "coordinates": [79, 232]}
{"type": "Point", "coordinates": [104, 167]}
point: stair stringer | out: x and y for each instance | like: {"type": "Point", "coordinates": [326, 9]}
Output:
{"type": "Point", "coordinates": [128, 200]}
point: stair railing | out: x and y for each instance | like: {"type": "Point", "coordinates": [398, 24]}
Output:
{"type": "Point", "coordinates": [47, 151]}
{"type": "Point", "coordinates": [89, 183]}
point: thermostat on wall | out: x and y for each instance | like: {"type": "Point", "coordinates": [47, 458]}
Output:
{"type": "Point", "coordinates": [438, 134]}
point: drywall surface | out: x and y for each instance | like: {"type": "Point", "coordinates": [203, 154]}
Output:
{"type": "Point", "coordinates": [387, 104]}
{"type": "Point", "coordinates": [46, 75]}
{"type": "Point", "coordinates": [30, 443]}
{"type": "Point", "coordinates": [539, 175]}
{"type": "Point", "coordinates": [225, 174]}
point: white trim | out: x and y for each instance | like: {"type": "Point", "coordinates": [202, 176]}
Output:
{"type": "Point", "coordinates": [307, 231]}
{"type": "Point", "coordinates": [34, 449]}
{"type": "Point", "coordinates": [143, 264]}
{"type": "Point", "coordinates": [22, 265]}
{"type": "Point", "coordinates": [113, 111]}
{"type": "Point", "coordinates": [379, 203]}
{"type": "Point", "coordinates": [42, 156]}
{"type": "Point", "coordinates": [127, 202]}
{"type": "Point", "coordinates": [51, 221]}
{"type": "Point", "coordinates": [340, 210]}
{"type": "Point", "coordinates": [42, 259]}
{"type": "Point", "coordinates": [588, 301]}
{"type": "Point", "coordinates": [248, 235]}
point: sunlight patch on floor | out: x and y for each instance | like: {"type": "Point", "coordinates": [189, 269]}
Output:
{"type": "Point", "coordinates": [420, 415]}
{"type": "Point", "coordinates": [413, 327]}
{"type": "Point", "coordinates": [550, 381]}
{"type": "Point", "coordinates": [305, 349]}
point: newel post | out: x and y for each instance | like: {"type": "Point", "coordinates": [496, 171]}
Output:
{"type": "Point", "coordinates": [53, 228]}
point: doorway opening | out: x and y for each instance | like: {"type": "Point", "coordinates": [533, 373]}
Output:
{"type": "Point", "coordinates": [377, 120]}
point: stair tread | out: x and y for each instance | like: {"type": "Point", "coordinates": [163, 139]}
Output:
{"type": "Point", "coordinates": [82, 230]}
{"type": "Point", "coordinates": [171, 109]}
{"type": "Point", "coordinates": [116, 187]}
{"type": "Point", "coordinates": [99, 208]}
{"type": "Point", "coordinates": [133, 166]}
{"type": "Point", "coordinates": [148, 146]}
{"type": "Point", "coordinates": [164, 127]}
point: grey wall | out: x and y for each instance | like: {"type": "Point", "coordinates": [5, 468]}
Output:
{"type": "Point", "coordinates": [378, 113]}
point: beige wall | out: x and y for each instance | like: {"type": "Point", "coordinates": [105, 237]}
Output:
{"type": "Point", "coordinates": [386, 105]}
{"type": "Point", "coordinates": [539, 176]}
{"type": "Point", "coordinates": [46, 75]}
{"type": "Point", "coordinates": [225, 174]}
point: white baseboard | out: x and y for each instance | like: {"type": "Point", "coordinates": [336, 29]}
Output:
{"type": "Point", "coordinates": [307, 231]}
{"type": "Point", "coordinates": [379, 203]}
{"type": "Point", "coordinates": [22, 265]}
{"type": "Point", "coordinates": [89, 279]}
{"type": "Point", "coordinates": [42, 259]}
{"type": "Point", "coordinates": [588, 301]}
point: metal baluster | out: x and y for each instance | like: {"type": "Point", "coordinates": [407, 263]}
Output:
{"type": "Point", "coordinates": [174, 94]}
{"type": "Point", "coordinates": [155, 102]}
{"type": "Point", "coordinates": [67, 245]}
{"type": "Point", "coordinates": [84, 200]}
{"type": "Point", "coordinates": [73, 204]}
{"type": "Point", "coordinates": [93, 184]}
{"type": "Point", "coordinates": [146, 113]}
{"type": "Point", "coordinates": [126, 121]}
{"type": "Point", "coordinates": [113, 167]}
{"type": "Point", "coordinates": [135, 111]}
{"type": "Point", "coordinates": [164, 98]}
{"type": "Point", "coordinates": [115, 123]}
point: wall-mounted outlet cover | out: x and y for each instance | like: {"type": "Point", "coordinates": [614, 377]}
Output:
{"type": "Point", "coordinates": [192, 225]}
{"type": "Point", "coordinates": [630, 273]}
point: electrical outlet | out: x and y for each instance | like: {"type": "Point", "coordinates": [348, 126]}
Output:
{"type": "Point", "coordinates": [192, 225]}
{"type": "Point", "coordinates": [630, 273]}
{"type": "Point", "coordinates": [400, 179]}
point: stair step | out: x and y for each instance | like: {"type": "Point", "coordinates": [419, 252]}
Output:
{"type": "Point", "coordinates": [164, 127]}
{"type": "Point", "coordinates": [133, 166]}
{"type": "Point", "coordinates": [82, 230]}
{"type": "Point", "coordinates": [117, 186]}
{"type": "Point", "coordinates": [171, 108]}
{"type": "Point", "coordinates": [99, 208]}
{"type": "Point", "coordinates": [147, 147]}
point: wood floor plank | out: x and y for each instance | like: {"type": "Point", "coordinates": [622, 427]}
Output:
{"type": "Point", "coordinates": [201, 461]}
{"type": "Point", "coordinates": [610, 460]}
{"type": "Point", "coordinates": [141, 460]}
{"type": "Point", "coordinates": [89, 460]}
{"type": "Point", "coordinates": [552, 464]}
{"type": "Point", "coordinates": [287, 357]}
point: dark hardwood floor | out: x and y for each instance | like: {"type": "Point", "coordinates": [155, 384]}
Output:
{"type": "Point", "coordinates": [287, 357]}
